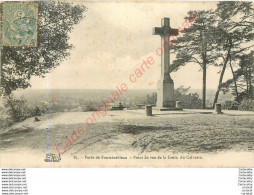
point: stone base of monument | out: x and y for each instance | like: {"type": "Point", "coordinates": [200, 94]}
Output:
{"type": "Point", "coordinates": [166, 108]}
{"type": "Point", "coordinates": [172, 105]}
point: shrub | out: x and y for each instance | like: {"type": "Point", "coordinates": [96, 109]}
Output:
{"type": "Point", "coordinates": [247, 104]}
{"type": "Point", "coordinates": [189, 100]}
{"type": "Point", "coordinates": [90, 106]}
{"type": "Point", "coordinates": [36, 111]}
{"type": "Point", "coordinates": [18, 109]}
{"type": "Point", "coordinates": [151, 99]}
{"type": "Point", "coordinates": [230, 105]}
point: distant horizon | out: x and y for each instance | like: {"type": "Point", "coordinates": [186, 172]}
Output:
{"type": "Point", "coordinates": [102, 89]}
{"type": "Point", "coordinates": [32, 94]}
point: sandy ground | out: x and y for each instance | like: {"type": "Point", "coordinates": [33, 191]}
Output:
{"type": "Point", "coordinates": [131, 132]}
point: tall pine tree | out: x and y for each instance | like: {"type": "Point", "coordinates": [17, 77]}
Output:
{"type": "Point", "coordinates": [234, 36]}
{"type": "Point", "coordinates": [195, 45]}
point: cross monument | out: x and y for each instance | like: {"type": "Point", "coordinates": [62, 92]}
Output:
{"type": "Point", "coordinates": [165, 88]}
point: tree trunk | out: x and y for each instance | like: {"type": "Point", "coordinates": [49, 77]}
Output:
{"type": "Point", "coordinates": [204, 57]}
{"type": "Point", "coordinates": [1, 65]}
{"type": "Point", "coordinates": [250, 77]}
{"type": "Point", "coordinates": [247, 80]}
{"type": "Point", "coordinates": [236, 91]}
{"type": "Point", "coordinates": [1, 61]}
{"type": "Point", "coordinates": [221, 78]}
{"type": "Point", "coordinates": [204, 86]}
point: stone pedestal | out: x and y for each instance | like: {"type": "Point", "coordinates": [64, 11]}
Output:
{"type": "Point", "coordinates": [218, 109]}
{"type": "Point", "coordinates": [149, 110]}
{"type": "Point", "coordinates": [178, 104]}
{"type": "Point", "coordinates": [165, 94]}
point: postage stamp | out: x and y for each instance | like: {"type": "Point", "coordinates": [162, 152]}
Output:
{"type": "Point", "coordinates": [19, 24]}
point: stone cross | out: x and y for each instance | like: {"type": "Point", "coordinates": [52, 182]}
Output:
{"type": "Point", "coordinates": [165, 32]}
{"type": "Point", "coordinates": [165, 93]}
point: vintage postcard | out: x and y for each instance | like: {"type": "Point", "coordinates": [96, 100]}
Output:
{"type": "Point", "coordinates": [127, 84]}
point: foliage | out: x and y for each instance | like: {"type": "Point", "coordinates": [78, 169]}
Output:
{"type": "Point", "coordinates": [230, 105]}
{"type": "Point", "coordinates": [5, 120]}
{"type": "Point", "coordinates": [18, 109]}
{"type": "Point", "coordinates": [241, 85]}
{"type": "Point", "coordinates": [151, 99]}
{"type": "Point", "coordinates": [90, 106]}
{"type": "Point", "coordinates": [189, 100]}
{"type": "Point", "coordinates": [55, 22]}
{"type": "Point", "coordinates": [247, 104]}
{"type": "Point", "coordinates": [245, 77]}
{"type": "Point", "coordinates": [196, 44]}
{"type": "Point", "coordinates": [222, 38]}
{"type": "Point", "coordinates": [234, 38]}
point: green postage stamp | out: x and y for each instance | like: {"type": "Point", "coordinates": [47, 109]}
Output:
{"type": "Point", "coordinates": [19, 26]}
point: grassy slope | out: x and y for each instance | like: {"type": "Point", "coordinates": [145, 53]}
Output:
{"type": "Point", "coordinates": [174, 133]}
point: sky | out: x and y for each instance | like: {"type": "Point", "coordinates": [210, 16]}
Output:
{"type": "Point", "coordinates": [113, 40]}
